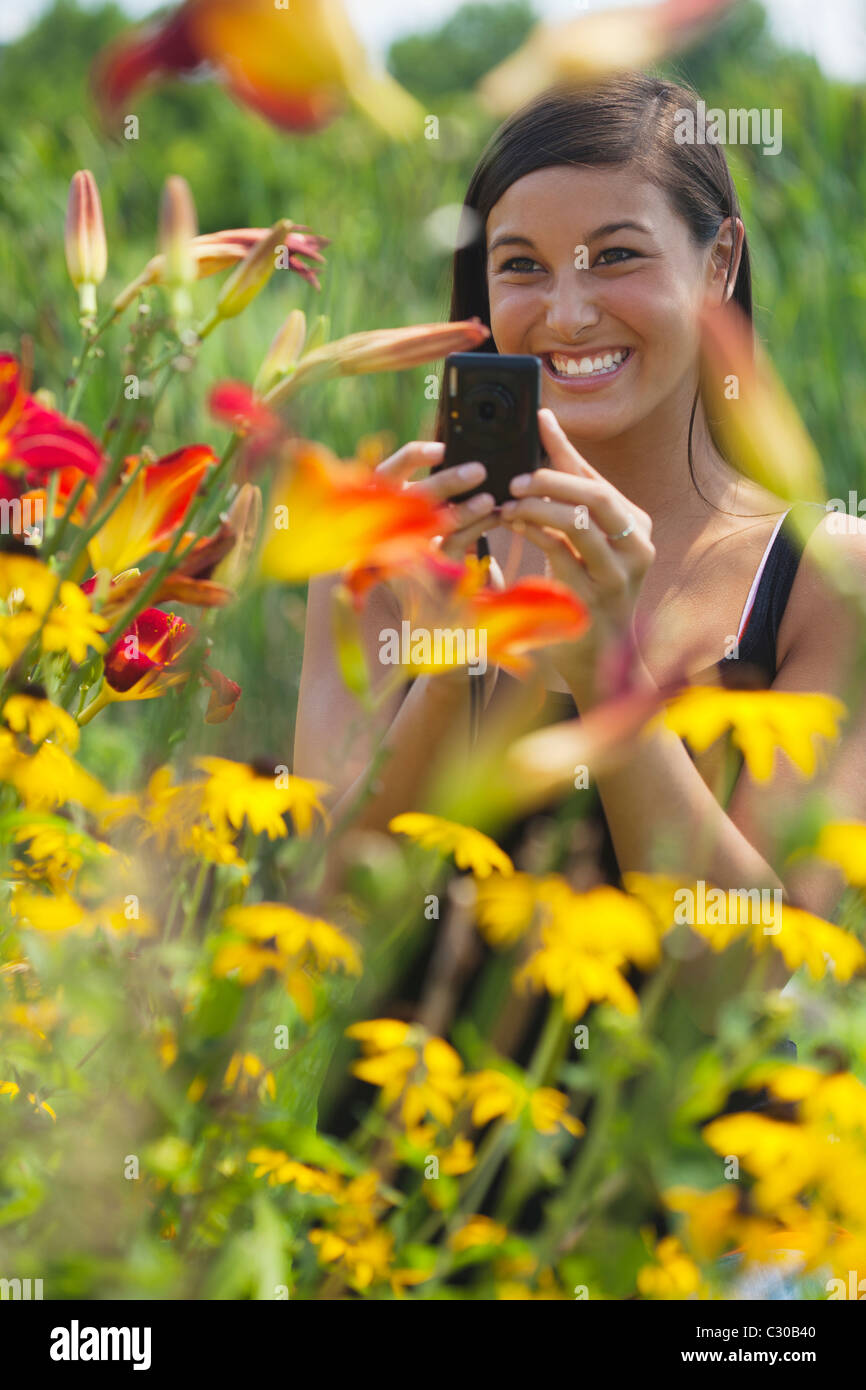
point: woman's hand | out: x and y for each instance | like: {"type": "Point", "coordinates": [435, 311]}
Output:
{"type": "Point", "coordinates": [469, 521]}
{"type": "Point", "coordinates": [594, 540]}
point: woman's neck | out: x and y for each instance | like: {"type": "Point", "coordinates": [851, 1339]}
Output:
{"type": "Point", "coordinates": [649, 464]}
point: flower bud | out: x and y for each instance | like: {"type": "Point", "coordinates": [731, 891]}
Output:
{"type": "Point", "coordinates": [244, 516]}
{"type": "Point", "coordinates": [283, 352]}
{"type": "Point", "coordinates": [177, 227]}
{"type": "Point", "coordinates": [85, 245]}
{"type": "Point", "coordinates": [253, 273]}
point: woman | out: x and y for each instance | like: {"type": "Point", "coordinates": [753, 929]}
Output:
{"type": "Point", "coordinates": [601, 242]}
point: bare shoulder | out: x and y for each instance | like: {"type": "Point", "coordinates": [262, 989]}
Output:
{"type": "Point", "coordinates": [827, 606]}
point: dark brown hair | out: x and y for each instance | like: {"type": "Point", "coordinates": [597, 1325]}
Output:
{"type": "Point", "coordinates": [627, 120]}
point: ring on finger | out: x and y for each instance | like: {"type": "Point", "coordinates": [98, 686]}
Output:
{"type": "Point", "coordinates": [629, 528]}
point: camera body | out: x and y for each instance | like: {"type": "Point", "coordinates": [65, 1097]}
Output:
{"type": "Point", "coordinates": [492, 401]}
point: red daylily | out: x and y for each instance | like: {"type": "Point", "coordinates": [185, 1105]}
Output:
{"type": "Point", "coordinates": [35, 441]}
{"type": "Point", "coordinates": [237, 405]}
{"type": "Point", "coordinates": [296, 65]}
{"type": "Point", "coordinates": [154, 654]}
{"type": "Point", "coordinates": [152, 509]}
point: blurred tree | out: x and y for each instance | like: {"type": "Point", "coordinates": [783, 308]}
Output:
{"type": "Point", "coordinates": [453, 57]}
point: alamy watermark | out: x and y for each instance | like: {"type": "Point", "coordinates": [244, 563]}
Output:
{"type": "Point", "coordinates": [22, 516]}
{"type": "Point", "coordinates": [715, 907]}
{"type": "Point", "coordinates": [738, 126]}
{"type": "Point", "coordinates": [427, 647]}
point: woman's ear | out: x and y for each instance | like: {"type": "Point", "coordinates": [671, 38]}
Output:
{"type": "Point", "coordinates": [724, 263]}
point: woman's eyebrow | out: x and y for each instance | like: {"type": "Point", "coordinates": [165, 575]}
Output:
{"type": "Point", "coordinates": [511, 239]}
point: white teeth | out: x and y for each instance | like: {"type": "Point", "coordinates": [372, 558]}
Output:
{"type": "Point", "coordinates": [588, 366]}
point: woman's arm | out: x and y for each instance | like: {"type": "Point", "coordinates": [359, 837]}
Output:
{"type": "Point", "coordinates": [336, 739]}
{"type": "Point", "coordinates": [738, 847]}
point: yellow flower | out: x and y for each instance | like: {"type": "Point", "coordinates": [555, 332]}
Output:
{"type": "Point", "coordinates": [844, 843]}
{"type": "Point", "coordinates": [245, 1067]}
{"type": "Point", "coordinates": [504, 906]}
{"type": "Point", "coordinates": [806, 939]}
{"type": "Point", "coordinates": [760, 722]}
{"type": "Point", "coordinates": [12, 1089]}
{"type": "Point", "coordinates": [839, 1098]}
{"type": "Point", "coordinates": [470, 848]}
{"type": "Point", "coordinates": [586, 943]}
{"type": "Point", "coordinates": [48, 777]}
{"type": "Point", "coordinates": [710, 1218]}
{"type": "Point", "coordinates": [235, 792]}
{"type": "Point", "coordinates": [72, 626]}
{"type": "Point", "coordinates": [785, 1158]}
{"type": "Point", "coordinates": [674, 1275]}
{"type": "Point", "coordinates": [546, 1289]}
{"type": "Point", "coordinates": [427, 1075]}
{"type": "Point", "coordinates": [40, 719]}
{"type": "Point", "coordinates": [60, 913]}
{"type": "Point", "coordinates": [478, 1230]}
{"type": "Point", "coordinates": [55, 853]}
{"type": "Point", "coordinates": [282, 1169]}
{"type": "Point", "coordinates": [296, 934]}
{"type": "Point", "coordinates": [495, 1093]}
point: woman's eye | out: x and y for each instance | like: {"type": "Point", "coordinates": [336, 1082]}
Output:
{"type": "Point", "coordinates": [520, 265]}
{"type": "Point", "coordinates": [618, 255]}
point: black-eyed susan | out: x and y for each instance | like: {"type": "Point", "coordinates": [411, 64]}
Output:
{"type": "Point", "coordinates": [710, 1225]}
{"type": "Point", "coordinates": [40, 719]}
{"type": "Point", "coordinates": [281, 1169]}
{"type": "Point", "coordinates": [760, 721]}
{"type": "Point", "coordinates": [494, 1094]}
{"type": "Point", "coordinates": [674, 1274]}
{"type": "Point", "coordinates": [61, 912]}
{"type": "Point", "coordinates": [844, 843]}
{"type": "Point", "coordinates": [237, 792]}
{"type": "Point", "coordinates": [424, 1073]}
{"type": "Point", "coordinates": [470, 848]}
{"type": "Point", "coordinates": [48, 777]}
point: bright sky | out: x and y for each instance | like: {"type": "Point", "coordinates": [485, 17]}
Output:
{"type": "Point", "coordinates": [834, 30]}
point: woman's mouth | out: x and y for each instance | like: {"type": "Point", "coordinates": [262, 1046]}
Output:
{"type": "Point", "coordinates": [583, 370]}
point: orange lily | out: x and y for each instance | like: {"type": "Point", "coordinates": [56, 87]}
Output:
{"type": "Point", "coordinates": [152, 508]}
{"type": "Point", "coordinates": [340, 514]}
{"type": "Point", "coordinates": [297, 65]}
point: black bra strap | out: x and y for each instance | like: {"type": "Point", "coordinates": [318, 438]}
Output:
{"type": "Point", "coordinates": [758, 646]}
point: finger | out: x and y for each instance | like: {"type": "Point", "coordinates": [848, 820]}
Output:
{"type": "Point", "coordinates": [459, 542]}
{"type": "Point", "coordinates": [564, 564]}
{"type": "Point", "coordinates": [559, 447]}
{"type": "Point", "coordinates": [467, 513]}
{"type": "Point", "coordinates": [602, 560]}
{"type": "Point", "coordinates": [413, 456]}
{"type": "Point", "coordinates": [451, 482]}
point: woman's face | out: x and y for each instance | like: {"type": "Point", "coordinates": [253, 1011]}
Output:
{"type": "Point", "coordinates": [618, 338]}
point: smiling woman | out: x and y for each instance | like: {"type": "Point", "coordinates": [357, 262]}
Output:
{"type": "Point", "coordinates": [603, 244]}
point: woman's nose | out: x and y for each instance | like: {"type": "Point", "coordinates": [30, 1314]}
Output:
{"type": "Point", "coordinates": [571, 306]}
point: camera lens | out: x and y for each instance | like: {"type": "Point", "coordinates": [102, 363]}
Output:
{"type": "Point", "coordinates": [490, 406]}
